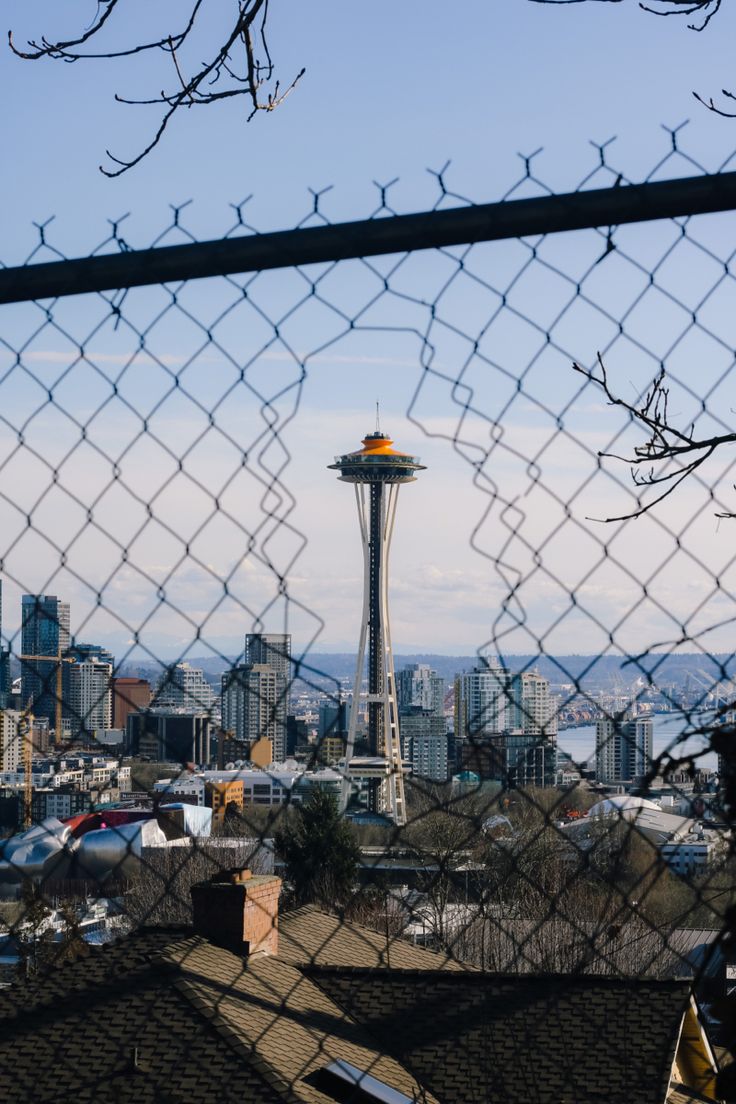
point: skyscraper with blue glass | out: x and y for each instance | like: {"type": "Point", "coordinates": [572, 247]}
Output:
{"type": "Point", "coordinates": [44, 632]}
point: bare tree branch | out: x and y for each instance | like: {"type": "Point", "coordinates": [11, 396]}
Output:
{"type": "Point", "coordinates": [235, 64]}
{"type": "Point", "coordinates": [665, 443]}
{"type": "Point", "coordinates": [706, 8]}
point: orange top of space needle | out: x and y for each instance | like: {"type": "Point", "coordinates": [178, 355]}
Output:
{"type": "Point", "coordinates": [377, 461]}
{"type": "Point", "coordinates": [377, 444]}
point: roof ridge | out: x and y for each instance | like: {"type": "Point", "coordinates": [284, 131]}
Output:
{"type": "Point", "coordinates": [484, 976]}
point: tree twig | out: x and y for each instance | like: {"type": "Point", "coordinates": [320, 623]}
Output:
{"type": "Point", "coordinates": [665, 443]}
{"type": "Point", "coordinates": [242, 73]}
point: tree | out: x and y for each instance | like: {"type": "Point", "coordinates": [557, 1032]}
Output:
{"type": "Point", "coordinates": [702, 10]}
{"type": "Point", "coordinates": [705, 9]}
{"type": "Point", "coordinates": [29, 931]}
{"type": "Point", "coordinates": [231, 69]}
{"type": "Point", "coordinates": [669, 455]}
{"type": "Point", "coordinates": [160, 893]}
{"type": "Point", "coordinates": [442, 831]}
{"type": "Point", "coordinates": [320, 853]}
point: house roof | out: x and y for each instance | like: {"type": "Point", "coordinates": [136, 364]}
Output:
{"type": "Point", "coordinates": [164, 1015]}
{"type": "Point", "coordinates": [471, 1038]}
{"type": "Point", "coordinates": [72, 1034]}
{"type": "Point", "coordinates": [201, 1018]}
{"type": "Point", "coordinates": [308, 936]}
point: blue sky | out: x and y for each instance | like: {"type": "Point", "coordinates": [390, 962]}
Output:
{"type": "Point", "coordinates": [390, 90]}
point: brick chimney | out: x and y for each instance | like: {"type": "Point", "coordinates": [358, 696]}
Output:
{"type": "Point", "coordinates": [239, 911]}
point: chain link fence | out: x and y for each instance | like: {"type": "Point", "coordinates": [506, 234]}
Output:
{"type": "Point", "coordinates": [163, 449]}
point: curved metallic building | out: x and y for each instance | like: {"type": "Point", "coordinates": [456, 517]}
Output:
{"type": "Point", "coordinates": [95, 846]}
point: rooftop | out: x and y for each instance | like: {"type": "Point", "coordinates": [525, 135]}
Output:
{"type": "Point", "coordinates": [166, 1015]}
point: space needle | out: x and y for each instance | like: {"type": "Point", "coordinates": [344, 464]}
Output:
{"type": "Point", "coordinates": [377, 471]}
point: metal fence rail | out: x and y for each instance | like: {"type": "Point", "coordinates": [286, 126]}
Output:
{"type": "Point", "coordinates": [516, 218]}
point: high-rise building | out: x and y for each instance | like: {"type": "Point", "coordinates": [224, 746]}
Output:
{"type": "Point", "coordinates": [129, 695]}
{"type": "Point", "coordinates": [533, 710]}
{"type": "Point", "coordinates": [377, 471]}
{"type": "Point", "coordinates": [425, 744]}
{"type": "Point", "coordinates": [90, 696]}
{"type": "Point", "coordinates": [11, 740]}
{"type": "Point", "coordinates": [269, 649]}
{"type": "Point", "coordinates": [183, 688]}
{"type": "Point", "coordinates": [333, 719]}
{"type": "Point", "coordinates": [505, 727]}
{"type": "Point", "coordinates": [623, 748]}
{"type": "Point", "coordinates": [4, 659]}
{"type": "Point", "coordinates": [44, 632]}
{"type": "Point", "coordinates": [74, 655]}
{"type": "Point", "coordinates": [429, 756]}
{"type": "Point", "coordinates": [254, 705]}
{"type": "Point", "coordinates": [484, 703]}
{"type": "Point", "coordinates": [418, 687]}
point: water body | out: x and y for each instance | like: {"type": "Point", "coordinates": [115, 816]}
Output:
{"type": "Point", "coordinates": [668, 727]}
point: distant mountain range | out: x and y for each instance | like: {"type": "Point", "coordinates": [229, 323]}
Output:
{"type": "Point", "coordinates": [324, 669]}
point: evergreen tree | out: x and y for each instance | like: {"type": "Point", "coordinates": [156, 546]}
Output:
{"type": "Point", "coordinates": [320, 853]}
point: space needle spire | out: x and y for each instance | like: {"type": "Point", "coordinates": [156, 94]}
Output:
{"type": "Point", "coordinates": [377, 471]}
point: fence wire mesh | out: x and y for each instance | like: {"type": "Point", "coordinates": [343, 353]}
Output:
{"type": "Point", "coordinates": [163, 490]}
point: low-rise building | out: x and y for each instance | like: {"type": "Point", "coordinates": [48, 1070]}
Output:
{"type": "Point", "coordinates": [186, 787]}
{"type": "Point", "coordinates": [68, 802]}
{"type": "Point", "coordinates": [278, 785]}
{"type": "Point", "coordinates": [693, 853]}
{"type": "Point", "coordinates": [221, 794]}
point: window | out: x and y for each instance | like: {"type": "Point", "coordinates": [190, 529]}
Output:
{"type": "Point", "coordinates": [350, 1085]}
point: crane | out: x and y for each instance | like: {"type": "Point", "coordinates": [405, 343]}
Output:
{"type": "Point", "coordinates": [25, 732]}
{"type": "Point", "coordinates": [58, 659]}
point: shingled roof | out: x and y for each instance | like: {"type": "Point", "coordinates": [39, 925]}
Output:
{"type": "Point", "coordinates": [113, 1026]}
{"type": "Point", "coordinates": [471, 1038]}
{"type": "Point", "coordinates": [165, 1015]}
{"type": "Point", "coordinates": [308, 936]}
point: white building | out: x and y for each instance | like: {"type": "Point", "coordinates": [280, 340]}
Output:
{"type": "Point", "coordinates": [418, 687]}
{"type": "Point", "coordinates": [534, 709]}
{"type": "Point", "coordinates": [623, 748]}
{"type": "Point", "coordinates": [278, 785]}
{"type": "Point", "coordinates": [483, 703]}
{"type": "Point", "coordinates": [182, 689]}
{"type": "Point", "coordinates": [491, 700]}
{"type": "Point", "coordinates": [90, 695]}
{"type": "Point", "coordinates": [185, 786]}
{"type": "Point", "coordinates": [104, 772]}
{"type": "Point", "coordinates": [693, 853]}
{"type": "Point", "coordinates": [11, 740]}
{"type": "Point", "coordinates": [15, 778]}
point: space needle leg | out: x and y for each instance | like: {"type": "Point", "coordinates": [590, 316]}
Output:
{"type": "Point", "coordinates": [360, 660]}
{"type": "Point", "coordinates": [392, 747]}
